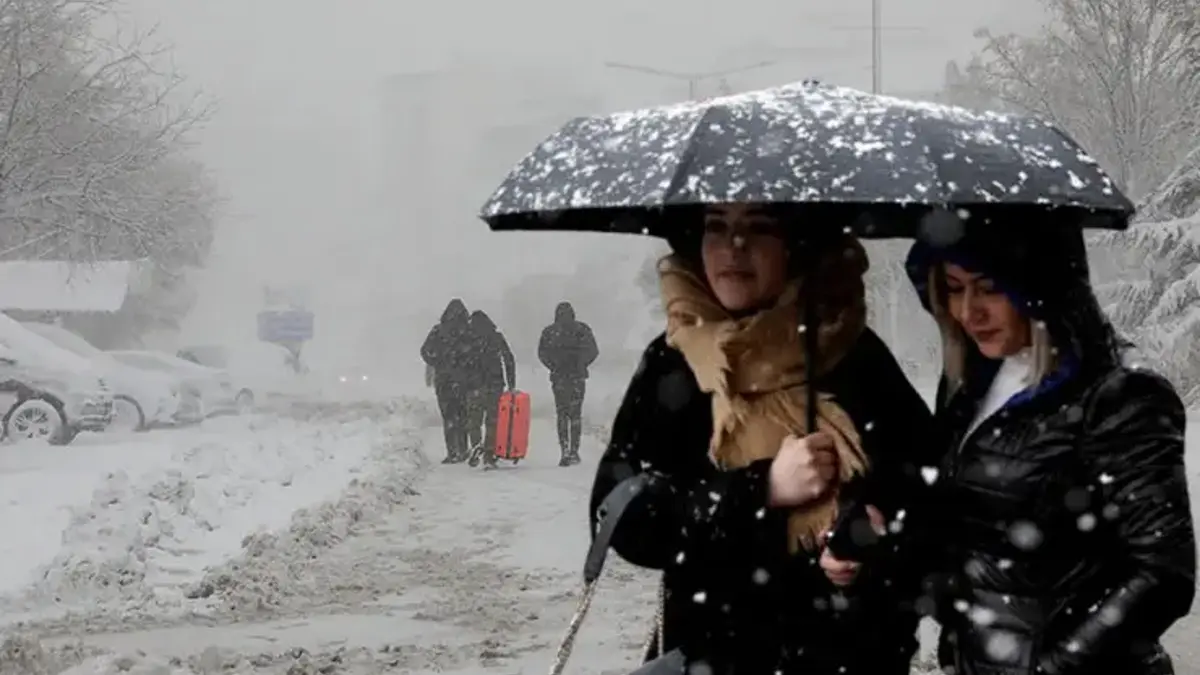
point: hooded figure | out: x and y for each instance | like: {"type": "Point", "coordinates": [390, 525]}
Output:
{"type": "Point", "coordinates": [1062, 504]}
{"type": "Point", "coordinates": [445, 352]}
{"type": "Point", "coordinates": [493, 370]}
{"type": "Point", "coordinates": [567, 347]}
{"type": "Point", "coordinates": [712, 416]}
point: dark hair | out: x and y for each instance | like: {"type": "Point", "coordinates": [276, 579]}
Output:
{"type": "Point", "coordinates": [1043, 268]}
{"type": "Point", "coordinates": [685, 228]}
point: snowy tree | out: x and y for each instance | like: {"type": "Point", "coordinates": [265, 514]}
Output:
{"type": "Point", "coordinates": [1118, 75]}
{"type": "Point", "coordinates": [92, 141]}
{"type": "Point", "coordinates": [1178, 196]}
{"type": "Point", "coordinates": [891, 304]}
{"type": "Point", "coordinates": [93, 150]}
{"type": "Point", "coordinates": [1149, 281]}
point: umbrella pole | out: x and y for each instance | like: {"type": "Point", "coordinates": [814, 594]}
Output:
{"type": "Point", "coordinates": [568, 642]}
{"type": "Point", "coordinates": [811, 346]}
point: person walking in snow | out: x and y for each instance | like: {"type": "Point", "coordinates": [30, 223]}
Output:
{"type": "Point", "coordinates": [567, 348]}
{"type": "Point", "coordinates": [1062, 509]}
{"type": "Point", "coordinates": [493, 371]}
{"type": "Point", "coordinates": [738, 503]}
{"type": "Point", "coordinates": [446, 351]}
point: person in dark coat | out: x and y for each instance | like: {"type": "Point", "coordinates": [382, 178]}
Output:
{"type": "Point", "coordinates": [445, 351]}
{"type": "Point", "coordinates": [493, 371]}
{"type": "Point", "coordinates": [567, 348]}
{"type": "Point", "coordinates": [740, 501]}
{"type": "Point", "coordinates": [1065, 530]}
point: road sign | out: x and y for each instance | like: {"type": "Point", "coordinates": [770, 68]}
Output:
{"type": "Point", "coordinates": [295, 325]}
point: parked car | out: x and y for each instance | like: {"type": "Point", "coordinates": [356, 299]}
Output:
{"type": "Point", "coordinates": [217, 393]}
{"type": "Point", "coordinates": [141, 398]}
{"type": "Point", "coordinates": [260, 369]}
{"type": "Point", "coordinates": [46, 392]}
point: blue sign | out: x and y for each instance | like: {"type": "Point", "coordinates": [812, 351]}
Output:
{"type": "Point", "coordinates": [291, 325]}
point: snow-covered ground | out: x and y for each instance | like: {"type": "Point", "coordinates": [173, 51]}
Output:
{"type": "Point", "coordinates": [334, 545]}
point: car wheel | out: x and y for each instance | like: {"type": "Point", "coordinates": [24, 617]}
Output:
{"type": "Point", "coordinates": [244, 402]}
{"type": "Point", "coordinates": [127, 415]}
{"type": "Point", "coordinates": [36, 419]}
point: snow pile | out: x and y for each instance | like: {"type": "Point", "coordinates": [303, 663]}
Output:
{"type": "Point", "coordinates": [24, 655]}
{"type": "Point", "coordinates": [274, 570]}
{"type": "Point", "coordinates": [146, 534]}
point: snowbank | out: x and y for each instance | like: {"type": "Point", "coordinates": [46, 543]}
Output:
{"type": "Point", "coordinates": [274, 572]}
{"type": "Point", "coordinates": [150, 530]}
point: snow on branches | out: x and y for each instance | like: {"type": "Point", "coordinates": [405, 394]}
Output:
{"type": "Point", "coordinates": [1119, 75]}
{"type": "Point", "coordinates": [93, 134]}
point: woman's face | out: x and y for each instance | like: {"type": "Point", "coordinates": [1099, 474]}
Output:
{"type": "Point", "coordinates": [985, 314]}
{"type": "Point", "coordinates": [745, 258]}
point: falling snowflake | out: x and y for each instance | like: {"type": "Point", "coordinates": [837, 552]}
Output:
{"type": "Point", "coordinates": [1025, 535]}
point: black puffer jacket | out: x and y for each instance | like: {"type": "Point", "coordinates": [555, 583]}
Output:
{"type": "Point", "coordinates": [1064, 529]}
{"type": "Point", "coordinates": [567, 347]}
{"type": "Point", "coordinates": [1068, 531]}
{"type": "Point", "coordinates": [736, 600]}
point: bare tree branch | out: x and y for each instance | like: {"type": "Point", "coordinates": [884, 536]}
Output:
{"type": "Point", "coordinates": [93, 144]}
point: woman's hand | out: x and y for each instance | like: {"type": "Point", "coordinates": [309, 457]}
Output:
{"type": "Point", "coordinates": [803, 469]}
{"type": "Point", "coordinates": [844, 572]}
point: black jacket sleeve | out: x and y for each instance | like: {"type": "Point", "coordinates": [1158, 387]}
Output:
{"type": "Point", "coordinates": [433, 350]}
{"type": "Point", "coordinates": [690, 513]}
{"type": "Point", "coordinates": [588, 351]}
{"type": "Point", "coordinates": [546, 349]}
{"type": "Point", "coordinates": [1134, 443]}
{"type": "Point", "coordinates": [508, 361]}
{"type": "Point", "coordinates": [900, 440]}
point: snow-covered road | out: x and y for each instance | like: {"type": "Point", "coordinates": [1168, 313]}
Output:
{"type": "Point", "coordinates": [408, 569]}
{"type": "Point", "coordinates": [393, 564]}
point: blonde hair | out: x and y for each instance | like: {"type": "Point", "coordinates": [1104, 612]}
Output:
{"type": "Point", "coordinates": [954, 340]}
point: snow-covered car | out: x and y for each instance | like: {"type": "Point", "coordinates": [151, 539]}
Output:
{"type": "Point", "coordinates": [46, 392]}
{"type": "Point", "coordinates": [141, 398]}
{"type": "Point", "coordinates": [261, 369]}
{"type": "Point", "coordinates": [217, 392]}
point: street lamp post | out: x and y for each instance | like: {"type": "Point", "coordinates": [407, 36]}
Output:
{"type": "Point", "coordinates": [876, 48]}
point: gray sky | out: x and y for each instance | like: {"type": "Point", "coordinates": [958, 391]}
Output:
{"type": "Point", "coordinates": [296, 141]}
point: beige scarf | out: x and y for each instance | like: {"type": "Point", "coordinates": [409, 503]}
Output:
{"type": "Point", "coordinates": [754, 368]}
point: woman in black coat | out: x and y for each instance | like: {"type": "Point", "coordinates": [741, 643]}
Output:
{"type": "Point", "coordinates": [1065, 529]}
{"type": "Point", "coordinates": [746, 588]}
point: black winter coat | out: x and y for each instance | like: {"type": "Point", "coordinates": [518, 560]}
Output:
{"type": "Point", "coordinates": [736, 600]}
{"type": "Point", "coordinates": [490, 363]}
{"type": "Point", "coordinates": [449, 345]}
{"type": "Point", "coordinates": [1067, 528]}
{"type": "Point", "coordinates": [567, 347]}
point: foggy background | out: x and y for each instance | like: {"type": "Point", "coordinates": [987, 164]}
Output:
{"type": "Point", "coordinates": [353, 141]}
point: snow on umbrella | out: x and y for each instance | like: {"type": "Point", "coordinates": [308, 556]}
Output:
{"type": "Point", "coordinates": [806, 144]}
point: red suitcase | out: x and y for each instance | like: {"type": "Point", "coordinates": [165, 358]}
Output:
{"type": "Point", "coordinates": [512, 426]}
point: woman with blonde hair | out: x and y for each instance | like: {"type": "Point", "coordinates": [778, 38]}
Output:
{"type": "Point", "coordinates": [741, 494]}
{"type": "Point", "coordinates": [1064, 541]}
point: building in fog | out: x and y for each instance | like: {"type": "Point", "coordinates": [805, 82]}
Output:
{"type": "Point", "coordinates": [452, 134]}
{"type": "Point", "coordinates": [449, 136]}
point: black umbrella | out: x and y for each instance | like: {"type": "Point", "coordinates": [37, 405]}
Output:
{"type": "Point", "coordinates": [882, 161]}
{"type": "Point", "coordinates": [843, 158]}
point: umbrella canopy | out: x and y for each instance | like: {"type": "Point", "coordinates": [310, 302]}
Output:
{"type": "Point", "coordinates": [883, 162]}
